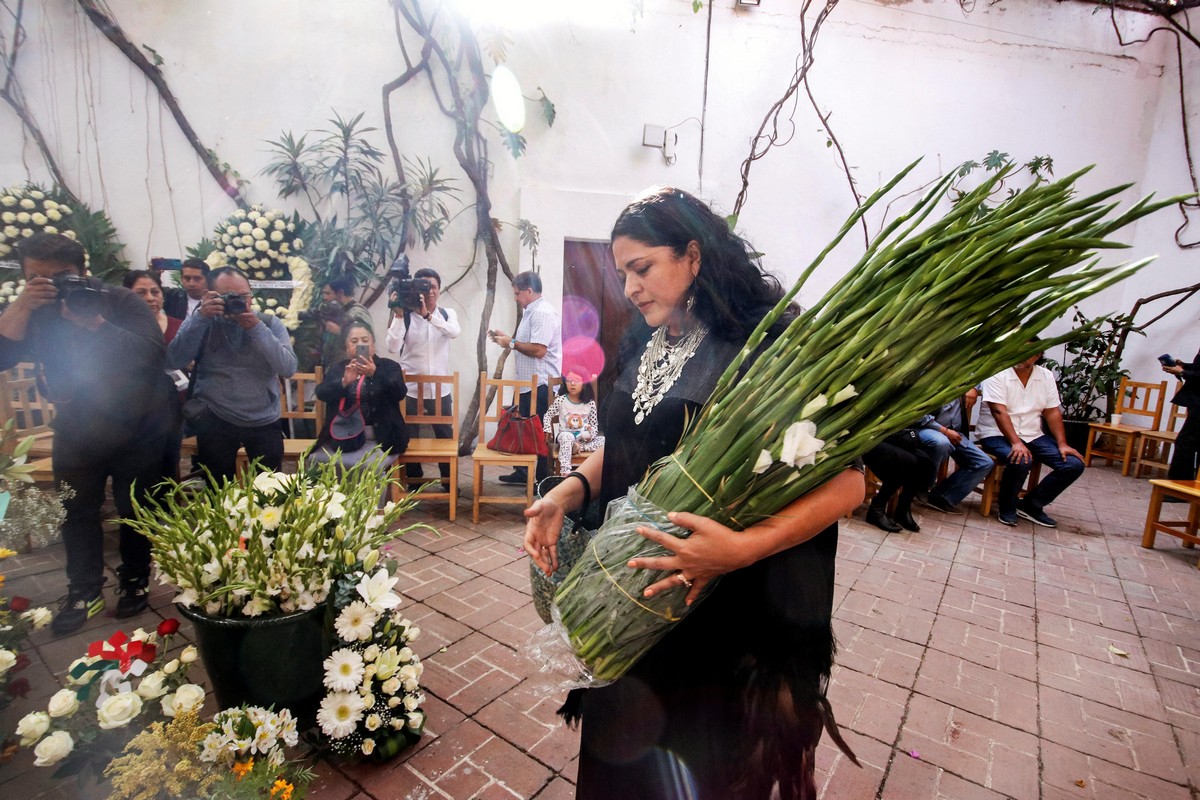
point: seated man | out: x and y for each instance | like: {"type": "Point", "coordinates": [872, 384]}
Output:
{"type": "Point", "coordinates": [943, 435]}
{"type": "Point", "coordinates": [1015, 403]}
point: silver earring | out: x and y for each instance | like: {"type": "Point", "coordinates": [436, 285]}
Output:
{"type": "Point", "coordinates": [691, 302]}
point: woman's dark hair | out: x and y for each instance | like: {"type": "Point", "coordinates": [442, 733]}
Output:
{"type": "Point", "coordinates": [350, 326]}
{"type": "Point", "coordinates": [586, 395]}
{"type": "Point", "coordinates": [732, 291]}
{"type": "Point", "coordinates": [134, 275]}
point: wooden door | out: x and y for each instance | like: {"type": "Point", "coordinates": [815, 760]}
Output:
{"type": "Point", "coordinates": [595, 310]}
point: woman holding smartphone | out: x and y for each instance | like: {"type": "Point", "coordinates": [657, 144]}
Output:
{"type": "Point", "coordinates": [1187, 444]}
{"type": "Point", "coordinates": [362, 396]}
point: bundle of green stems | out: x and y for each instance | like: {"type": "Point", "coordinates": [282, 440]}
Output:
{"type": "Point", "coordinates": [935, 305]}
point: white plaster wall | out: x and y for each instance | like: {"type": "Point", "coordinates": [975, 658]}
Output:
{"type": "Point", "coordinates": [902, 78]}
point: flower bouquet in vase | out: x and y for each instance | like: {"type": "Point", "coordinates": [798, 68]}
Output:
{"type": "Point", "coordinates": [255, 560]}
{"type": "Point", "coordinates": [118, 687]}
{"type": "Point", "coordinates": [936, 304]}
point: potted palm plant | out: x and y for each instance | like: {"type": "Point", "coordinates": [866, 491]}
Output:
{"type": "Point", "coordinates": [255, 560]}
{"type": "Point", "coordinates": [1089, 373]}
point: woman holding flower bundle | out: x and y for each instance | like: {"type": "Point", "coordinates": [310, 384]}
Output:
{"type": "Point", "coordinates": [362, 395]}
{"type": "Point", "coordinates": [731, 702]}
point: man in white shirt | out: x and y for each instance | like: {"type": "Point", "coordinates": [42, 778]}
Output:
{"type": "Point", "coordinates": [422, 338]}
{"type": "Point", "coordinates": [537, 349]}
{"type": "Point", "coordinates": [1015, 403]}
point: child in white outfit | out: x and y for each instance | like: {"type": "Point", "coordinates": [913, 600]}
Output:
{"type": "Point", "coordinates": [578, 422]}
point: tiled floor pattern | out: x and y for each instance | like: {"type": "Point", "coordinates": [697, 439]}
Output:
{"type": "Point", "coordinates": [976, 661]}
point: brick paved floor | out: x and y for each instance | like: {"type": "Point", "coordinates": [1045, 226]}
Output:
{"type": "Point", "coordinates": [976, 661]}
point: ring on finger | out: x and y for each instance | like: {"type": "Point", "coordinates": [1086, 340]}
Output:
{"type": "Point", "coordinates": [683, 580]}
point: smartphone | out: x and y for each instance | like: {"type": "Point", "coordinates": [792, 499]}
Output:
{"type": "Point", "coordinates": [1166, 360]}
{"type": "Point", "coordinates": [362, 351]}
{"type": "Point", "coordinates": [166, 263]}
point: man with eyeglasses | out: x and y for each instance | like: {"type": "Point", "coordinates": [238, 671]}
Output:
{"type": "Point", "coordinates": [240, 356]}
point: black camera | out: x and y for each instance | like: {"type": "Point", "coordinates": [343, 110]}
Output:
{"type": "Point", "coordinates": [79, 295]}
{"type": "Point", "coordinates": [234, 303]}
{"type": "Point", "coordinates": [403, 291]}
{"type": "Point", "coordinates": [327, 311]}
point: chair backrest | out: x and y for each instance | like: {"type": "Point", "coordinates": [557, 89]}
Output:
{"type": "Point", "coordinates": [1139, 399]}
{"type": "Point", "coordinates": [21, 401]}
{"type": "Point", "coordinates": [436, 387]}
{"type": "Point", "coordinates": [507, 393]}
{"type": "Point", "coordinates": [295, 393]}
{"type": "Point", "coordinates": [1176, 413]}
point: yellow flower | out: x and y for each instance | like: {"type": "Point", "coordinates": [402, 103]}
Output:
{"type": "Point", "coordinates": [242, 767]}
{"type": "Point", "coordinates": [283, 788]}
{"type": "Point", "coordinates": [5, 552]}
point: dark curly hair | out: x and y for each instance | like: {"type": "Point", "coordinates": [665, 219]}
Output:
{"type": "Point", "coordinates": [732, 291]}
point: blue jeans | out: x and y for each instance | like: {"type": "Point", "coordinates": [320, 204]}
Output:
{"type": "Point", "coordinates": [972, 464]}
{"type": "Point", "coordinates": [1045, 451]}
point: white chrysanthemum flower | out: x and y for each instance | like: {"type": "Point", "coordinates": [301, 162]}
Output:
{"type": "Point", "coordinates": [270, 517]}
{"type": "Point", "coordinates": [340, 712]}
{"type": "Point", "coordinates": [54, 214]}
{"type": "Point", "coordinates": [356, 621]}
{"type": "Point", "coordinates": [276, 236]}
{"type": "Point", "coordinates": [27, 203]}
{"type": "Point", "coordinates": [245, 227]}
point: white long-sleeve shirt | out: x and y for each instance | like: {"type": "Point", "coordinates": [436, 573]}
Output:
{"type": "Point", "coordinates": [424, 347]}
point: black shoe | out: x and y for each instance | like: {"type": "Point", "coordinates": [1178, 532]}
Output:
{"type": "Point", "coordinates": [882, 521]}
{"type": "Point", "coordinates": [1007, 517]}
{"type": "Point", "coordinates": [1035, 515]}
{"type": "Point", "coordinates": [906, 521]}
{"type": "Point", "coordinates": [134, 597]}
{"type": "Point", "coordinates": [939, 503]}
{"type": "Point", "coordinates": [516, 476]}
{"type": "Point", "coordinates": [76, 609]}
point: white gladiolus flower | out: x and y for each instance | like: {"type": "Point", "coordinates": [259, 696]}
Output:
{"type": "Point", "coordinates": [800, 444]}
{"type": "Point", "coordinates": [844, 394]}
{"type": "Point", "coordinates": [53, 748]}
{"type": "Point", "coordinates": [763, 463]}
{"type": "Point", "coordinates": [813, 406]}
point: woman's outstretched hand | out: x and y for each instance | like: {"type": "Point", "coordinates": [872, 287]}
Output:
{"type": "Point", "coordinates": [543, 524]}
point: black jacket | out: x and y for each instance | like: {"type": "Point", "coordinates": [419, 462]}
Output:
{"type": "Point", "coordinates": [1189, 395]}
{"type": "Point", "coordinates": [175, 302]}
{"type": "Point", "coordinates": [381, 397]}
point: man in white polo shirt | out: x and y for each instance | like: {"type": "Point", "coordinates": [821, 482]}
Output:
{"type": "Point", "coordinates": [1015, 403]}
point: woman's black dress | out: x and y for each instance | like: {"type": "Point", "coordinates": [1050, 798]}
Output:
{"type": "Point", "coordinates": [699, 716]}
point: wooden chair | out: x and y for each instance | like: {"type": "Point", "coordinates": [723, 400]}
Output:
{"type": "Point", "coordinates": [31, 413]}
{"type": "Point", "coordinates": [294, 394]}
{"type": "Point", "coordinates": [990, 488]}
{"type": "Point", "coordinates": [1186, 491]}
{"type": "Point", "coordinates": [507, 393]}
{"type": "Point", "coordinates": [1154, 447]}
{"type": "Point", "coordinates": [1134, 399]}
{"type": "Point", "coordinates": [428, 450]}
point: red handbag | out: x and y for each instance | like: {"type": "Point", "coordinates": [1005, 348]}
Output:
{"type": "Point", "coordinates": [519, 434]}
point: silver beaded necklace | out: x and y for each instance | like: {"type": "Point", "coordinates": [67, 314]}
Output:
{"type": "Point", "coordinates": [661, 364]}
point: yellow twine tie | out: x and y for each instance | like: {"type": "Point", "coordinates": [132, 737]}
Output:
{"type": "Point", "coordinates": [669, 617]}
{"type": "Point", "coordinates": [696, 483]}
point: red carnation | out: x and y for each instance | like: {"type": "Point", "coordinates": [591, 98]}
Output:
{"type": "Point", "coordinates": [18, 688]}
{"type": "Point", "coordinates": [18, 604]}
{"type": "Point", "coordinates": [168, 627]}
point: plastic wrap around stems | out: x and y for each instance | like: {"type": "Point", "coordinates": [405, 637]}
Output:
{"type": "Point", "coordinates": [597, 633]}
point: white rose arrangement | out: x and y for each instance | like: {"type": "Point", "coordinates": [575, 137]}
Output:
{"type": "Point", "coordinates": [27, 209]}
{"type": "Point", "coordinates": [120, 685]}
{"type": "Point", "coordinates": [266, 244]}
{"type": "Point", "coordinates": [373, 703]}
{"type": "Point", "coordinates": [267, 543]}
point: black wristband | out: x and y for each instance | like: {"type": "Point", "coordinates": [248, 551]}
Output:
{"type": "Point", "coordinates": [587, 487]}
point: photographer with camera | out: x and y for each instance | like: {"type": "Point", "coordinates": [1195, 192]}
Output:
{"type": "Point", "coordinates": [337, 310]}
{"type": "Point", "coordinates": [240, 356]}
{"type": "Point", "coordinates": [100, 359]}
{"type": "Point", "coordinates": [420, 332]}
